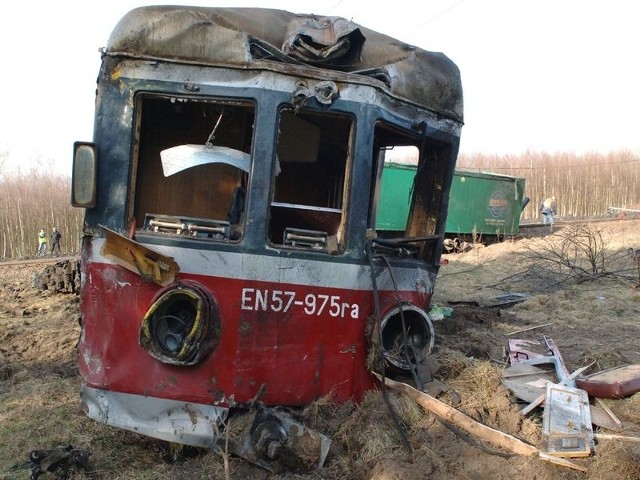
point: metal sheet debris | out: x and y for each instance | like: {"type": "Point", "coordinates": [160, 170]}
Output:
{"type": "Point", "coordinates": [532, 352]}
{"type": "Point", "coordinates": [567, 422]}
{"type": "Point", "coordinates": [618, 382]}
{"type": "Point", "coordinates": [528, 382]}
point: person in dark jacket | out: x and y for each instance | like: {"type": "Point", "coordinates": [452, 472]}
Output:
{"type": "Point", "coordinates": [55, 241]}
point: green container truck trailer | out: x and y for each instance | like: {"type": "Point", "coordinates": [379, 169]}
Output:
{"type": "Point", "coordinates": [480, 204]}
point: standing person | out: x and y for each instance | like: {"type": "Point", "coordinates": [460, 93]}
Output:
{"type": "Point", "coordinates": [42, 243]}
{"type": "Point", "coordinates": [55, 241]}
{"type": "Point", "coordinates": [548, 210]}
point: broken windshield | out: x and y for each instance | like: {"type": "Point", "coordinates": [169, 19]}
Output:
{"type": "Point", "coordinates": [308, 202]}
{"type": "Point", "coordinates": [192, 166]}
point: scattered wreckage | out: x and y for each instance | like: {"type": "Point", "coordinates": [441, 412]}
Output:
{"type": "Point", "coordinates": [568, 413]}
{"type": "Point", "coordinates": [61, 277]}
{"type": "Point", "coordinates": [62, 461]}
{"type": "Point", "coordinates": [230, 258]}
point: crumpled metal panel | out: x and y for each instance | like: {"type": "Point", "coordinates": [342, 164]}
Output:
{"type": "Point", "coordinates": [326, 40]}
{"type": "Point", "coordinates": [174, 421]}
{"type": "Point", "coordinates": [225, 36]}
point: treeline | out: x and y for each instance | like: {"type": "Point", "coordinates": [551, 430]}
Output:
{"type": "Point", "coordinates": [34, 201]}
{"type": "Point", "coordinates": [584, 185]}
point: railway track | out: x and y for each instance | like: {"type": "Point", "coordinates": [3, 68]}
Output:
{"type": "Point", "coordinates": [533, 227]}
{"type": "Point", "coordinates": [39, 260]}
{"type": "Point", "coordinates": [58, 274]}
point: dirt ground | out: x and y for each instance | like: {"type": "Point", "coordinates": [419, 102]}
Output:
{"type": "Point", "coordinates": [593, 317]}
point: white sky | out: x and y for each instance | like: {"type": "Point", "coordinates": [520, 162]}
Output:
{"type": "Point", "coordinates": [540, 75]}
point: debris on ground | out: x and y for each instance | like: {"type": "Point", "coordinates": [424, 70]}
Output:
{"type": "Point", "coordinates": [61, 460]}
{"type": "Point", "coordinates": [568, 414]}
{"type": "Point", "coordinates": [61, 277]}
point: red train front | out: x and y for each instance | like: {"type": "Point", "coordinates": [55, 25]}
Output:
{"type": "Point", "coordinates": [231, 191]}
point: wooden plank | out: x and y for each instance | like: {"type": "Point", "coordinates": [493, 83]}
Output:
{"type": "Point", "coordinates": [459, 419]}
{"type": "Point", "coordinates": [609, 412]}
{"type": "Point", "coordinates": [530, 328]}
{"type": "Point", "coordinates": [523, 369]}
{"type": "Point", "coordinates": [562, 462]}
{"type": "Point", "coordinates": [621, 438]}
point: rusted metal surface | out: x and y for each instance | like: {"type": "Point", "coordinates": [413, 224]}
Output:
{"type": "Point", "coordinates": [617, 382]}
{"type": "Point", "coordinates": [255, 37]}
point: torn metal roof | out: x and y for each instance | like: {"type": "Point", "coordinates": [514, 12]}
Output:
{"type": "Point", "coordinates": [268, 39]}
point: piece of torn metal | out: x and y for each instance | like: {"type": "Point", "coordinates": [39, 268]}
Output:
{"type": "Point", "coordinates": [532, 352]}
{"type": "Point", "coordinates": [528, 382]}
{"type": "Point", "coordinates": [504, 300]}
{"type": "Point", "coordinates": [152, 266]}
{"type": "Point", "coordinates": [541, 398]}
{"type": "Point", "coordinates": [324, 40]}
{"type": "Point", "coordinates": [567, 422]}
{"type": "Point", "coordinates": [61, 460]}
{"type": "Point", "coordinates": [170, 420]}
{"type": "Point", "coordinates": [617, 382]}
{"type": "Point", "coordinates": [183, 157]}
{"type": "Point", "coordinates": [507, 299]}
{"type": "Point", "coordinates": [276, 442]}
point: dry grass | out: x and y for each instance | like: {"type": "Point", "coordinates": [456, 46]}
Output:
{"type": "Point", "coordinates": [616, 461]}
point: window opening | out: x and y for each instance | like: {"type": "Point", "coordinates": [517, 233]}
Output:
{"type": "Point", "coordinates": [308, 203]}
{"type": "Point", "coordinates": [193, 162]}
{"type": "Point", "coordinates": [407, 190]}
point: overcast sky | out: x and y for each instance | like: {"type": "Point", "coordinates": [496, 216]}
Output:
{"type": "Point", "coordinates": [541, 75]}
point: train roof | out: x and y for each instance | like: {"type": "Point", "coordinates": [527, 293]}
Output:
{"type": "Point", "coordinates": [264, 38]}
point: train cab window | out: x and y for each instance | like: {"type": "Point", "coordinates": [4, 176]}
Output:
{"type": "Point", "coordinates": [192, 165]}
{"type": "Point", "coordinates": [399, 165]}
{"type": "Point", "coordinates": [308, 201]}
{"type": "Point", "coordinates": [407, 189]}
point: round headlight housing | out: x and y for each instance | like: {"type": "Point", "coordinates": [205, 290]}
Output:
{"type": "Point", "coordinates": [182, 326]}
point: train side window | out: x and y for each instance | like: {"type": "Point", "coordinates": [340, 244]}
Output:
{"type": "Point", "coordinates": [192, 165]}
{"type": "Point", "coordinates": [395, 188]}
{"type": "Point", "coordinates": [407, 188]}
{"type": "Point", "coordinates": [308, 201]}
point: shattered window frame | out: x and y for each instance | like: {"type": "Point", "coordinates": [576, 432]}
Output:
{"type": "Point", "coordinates": [423, 234]}
{"type": "Point", "coordinates": [191, 164]}
{"type": "Point", "coordinates": [387, 138]}
{"type": "Point", "coordinates": [309, 197]}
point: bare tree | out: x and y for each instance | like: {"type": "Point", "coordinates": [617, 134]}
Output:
{"type": "Point", "coordinates": [578, 253]}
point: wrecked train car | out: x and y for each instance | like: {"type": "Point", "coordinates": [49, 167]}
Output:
{"type": "Point", "coordinates": [231, 192]}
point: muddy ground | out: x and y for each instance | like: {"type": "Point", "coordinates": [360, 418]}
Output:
{"type": "Point", "coordinates": [593, 317]}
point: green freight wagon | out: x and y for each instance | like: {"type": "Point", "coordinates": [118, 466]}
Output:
{"type": "Point", "coordinates": [480, 204]}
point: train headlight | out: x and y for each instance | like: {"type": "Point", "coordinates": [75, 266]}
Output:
{"type": "Point", "coordinates": [182, 325]}
{"type": "Point", "coordinates": [402, 347]}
